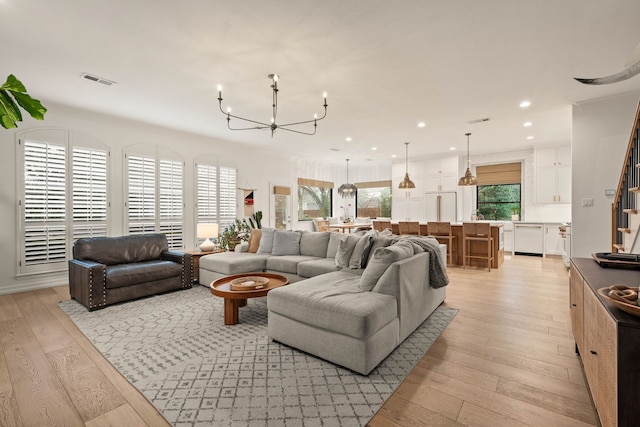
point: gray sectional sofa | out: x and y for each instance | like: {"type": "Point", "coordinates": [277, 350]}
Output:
{"type": "Point", "coordinates": [352, 299]}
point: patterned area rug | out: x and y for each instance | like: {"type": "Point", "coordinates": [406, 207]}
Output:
{"type": "Point", "coordinates": [177, 351]}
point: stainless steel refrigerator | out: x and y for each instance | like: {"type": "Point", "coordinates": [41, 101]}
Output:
{"type": "Point", "coordinates": [441, 206]}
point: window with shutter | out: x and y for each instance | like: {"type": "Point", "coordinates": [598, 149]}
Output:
{"type": "Point", "coordinates": [171, 202]}
{"type": "Point", "coordinates": [89, 193]}
{"type": "Point", "coordinates": [141, 200]}
{"type": "Point", "coordinates": [228, 192]}
{"type": "Point", "coordinates": [217, 192]}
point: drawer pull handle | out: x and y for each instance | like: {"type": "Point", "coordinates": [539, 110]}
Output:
{"type": "Point", "coordinates": [573, 305]}
{"type": "Point", "coordinates": [594, 352]}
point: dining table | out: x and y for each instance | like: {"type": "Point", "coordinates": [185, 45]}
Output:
{"type": "Point", "coordinates": [347, 227]}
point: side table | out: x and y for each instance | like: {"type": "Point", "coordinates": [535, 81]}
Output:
{"type": "Point", "coordinates": [195, 262]}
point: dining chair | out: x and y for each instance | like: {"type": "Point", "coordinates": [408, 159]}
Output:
{"type": "Point", "coordinates": [442, 233]}
{"type": "Point", "coordinates": [381, 225]}
{"type": "Point", "coordinates": [323, 225]}
{"type": "Point", "coordinates": [476, 232]}
{"type": "Point", "coordinates": [409, 228]}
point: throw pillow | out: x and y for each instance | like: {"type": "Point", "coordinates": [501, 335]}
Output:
{"type": "Point", "coordinates": [345, 249]}
{"type": "Point", "coordinates": [266, 241]}
{"type": "Point", "coordinates": [360, 252]}
{"type": "Point", "coordinates": [314, 243]}
{"type": "Point", "coordinates": [379, 242]}
{"type": "Point", "coordinates": [254, 240]}
{"type": "Point", "coordinates": [286, 243]}
{"type": "Point", "coordinates": [382, 259]}
{"type": "Point", "coordinates": [334, 244]}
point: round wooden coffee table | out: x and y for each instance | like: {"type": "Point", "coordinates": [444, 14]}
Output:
{"type": "Point", "coordinates": [233, 300]}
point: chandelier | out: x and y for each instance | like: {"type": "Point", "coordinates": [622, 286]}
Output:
{"type": "Point", "coordinates": [406, 183]}
{"type": "Point", "coordinates": [468, 178]}
{"type": "Point", "coordinates": [273, 125]}
{"type": "Point", "coordinates": [347, 190]}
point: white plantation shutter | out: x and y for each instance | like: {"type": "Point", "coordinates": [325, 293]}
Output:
{"type": "Point", "coordinates": [207, 197]}
{"type": "Point", "coordinates": [141, 201]}
{"type": "Point", "coordinates": [45, 204]}
{"type": "Point", "coordinates": [89, 193]}
{"type": "Point", "coordinates": [228, 192]}
{"type": "Point", "coordinates": [171, 173]}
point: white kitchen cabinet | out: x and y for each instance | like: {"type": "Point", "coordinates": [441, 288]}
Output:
{"type": "Point", "coordinates": [441, 174]}
{"type": "Point", "coordinates": [552, 240]}
{"type": "Point", "coordinates": [408, 209]}
{"type": "Point", "coordinates": [407, 204]}
{"type": "Point", "coordinates": [553, 175]}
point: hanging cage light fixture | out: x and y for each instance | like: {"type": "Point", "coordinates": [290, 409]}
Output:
{"type": "Point", "coordinates": [406, 183]}
{"type": "Point", "coordinates": [468, 178]}
{"type": "Point", "coordinates": [273, 125]}
{"type": "Point", "coordinates": [347, 190]}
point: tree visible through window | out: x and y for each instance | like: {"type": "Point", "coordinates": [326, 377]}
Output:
{"type": "Point", "coordinates": [314, 202]}
{"type": "Point", "coordinates": [373, 202]}
{"type": "Point", "coordinates": [499, 202]}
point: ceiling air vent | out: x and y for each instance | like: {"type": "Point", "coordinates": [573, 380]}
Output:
{"type": "Point", "coordinates": [97, 79]}
{"type": "Point", "coordinates": [484, 119]}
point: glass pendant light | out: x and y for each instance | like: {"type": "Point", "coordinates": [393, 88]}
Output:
{"type": "Point", "coordinates": [468, 178]}
{"type": "Point", "coordinates": [406, 183]}
{"type": "Point", "coordinates": [347, 190]}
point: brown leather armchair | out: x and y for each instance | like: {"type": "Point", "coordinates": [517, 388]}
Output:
{"type": "Point", "coordinates": [108, 270]}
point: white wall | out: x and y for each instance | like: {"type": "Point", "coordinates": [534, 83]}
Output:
{"type": "Point", "coordinates": [601, 130]}
{"type": "Point", "coordinates": [256, 168]}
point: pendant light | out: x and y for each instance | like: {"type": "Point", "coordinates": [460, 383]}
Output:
{"type": "Point", "coordinates": [468, 178]}
{"type": "Point", "coordinates": [347, 190]}
{"type": "Point", "coordinates": [406, 183]}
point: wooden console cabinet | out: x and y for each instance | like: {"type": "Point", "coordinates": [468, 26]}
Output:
{"type": "Point", "coordinates": [608, 341]}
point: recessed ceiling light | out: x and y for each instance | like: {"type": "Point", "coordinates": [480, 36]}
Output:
{"type": "Point", "coordinates": [525, 104]}
{"type": "Point", "coordinates": [334, 149]}
{"type": "Point", "coordinates": [348, 139]}
{"type": "Point", "coordinates": [393, 156]}
{"type": "Point", "coordinates": [452, 148]}
{"type": "Point", "coordinates": [530, 137]}
{"type": "Point", "coordinates": [374, 148]}
{"type": "Point", "coordinates": [527, 124]}
{"type": "Point", "coordinates": [421, 124]}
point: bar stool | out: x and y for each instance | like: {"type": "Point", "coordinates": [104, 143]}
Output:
{"type": "Point", "coordinates": [409, 228]}
{"type": "Point", "coordinates": [442, 232]}
{"type": "Point", "coordinates": [476, 232]}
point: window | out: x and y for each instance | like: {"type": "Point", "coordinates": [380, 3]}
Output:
{"type": "Point", "coordinates": [499, 191]}
{"type": "Point", "coordinates": [314, 199]}
{"type": "Point", "coordinates": [212, 181]}
{"type": "Point", "coordinates": [373, 199]}
{"type": "Point", "coordinates": [63, 197]}
{"type": "Point", "coordinates": [155, 193]}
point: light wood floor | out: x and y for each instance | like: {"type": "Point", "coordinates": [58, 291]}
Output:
{"type": "Point", "coordinates": [507, 359]}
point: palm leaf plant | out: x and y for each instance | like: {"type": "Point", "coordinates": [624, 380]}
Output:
{"type": "Point", "coordinates": [13, 95]}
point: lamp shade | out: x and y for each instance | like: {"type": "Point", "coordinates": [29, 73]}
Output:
{"type": "Point", "coordinates": [207, 231]}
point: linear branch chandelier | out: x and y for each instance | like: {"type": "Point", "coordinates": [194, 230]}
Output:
{"type": "Point", "coordinates": [273, 125]}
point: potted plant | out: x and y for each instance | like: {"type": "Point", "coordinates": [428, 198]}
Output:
{"type": "Point", "coordinates": [13, 95]}
{"type": "Point", "coordinates": [233, 234]}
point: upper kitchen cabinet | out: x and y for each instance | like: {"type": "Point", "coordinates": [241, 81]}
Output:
{"type": "Point", "coordinates": [407, 204]}
{"type": "Point", "coordinates": [553, 175]}
{"type": "Point", "coordinates": [441, 174]}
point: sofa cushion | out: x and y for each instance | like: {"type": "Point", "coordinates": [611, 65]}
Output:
{"type": "Point", "coordinates": [286, 243]}
{"type": "Point", "coordinates": [314, 243]}
{"type": "Point", "coordinates": [382, 259]}
{"type": "Point", "coordinates": [254, 240]}
{"type": "Point", "coordinates": [286, 263]}
{"type": "Point", "coordinates": [361, 250]}
{"type": "Point", "coordinates": [334, 302]}
{"type": "Point", "coordinates": [381, 241]}
{"type": "Point", "coordinates": [266, 241]}
{"type": "Point", "coordinates": [120, 250]}
{"type": "Point", "coordinates": [316, 267]}
{"type": "Point", "coordinates": [334, 244]}
{"type": "Point", "coordinates": [121, 275]}
{"type": "Point", "coordinates": [234, 263]}
{"type": "Point", "coordinates": [345, 249]}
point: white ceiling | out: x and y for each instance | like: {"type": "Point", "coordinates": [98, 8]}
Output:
{"type": "Point", "coordinates": [385, 64]}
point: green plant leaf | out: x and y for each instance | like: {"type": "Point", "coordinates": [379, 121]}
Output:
{"type": "Point", "coordinates": [31, 105]}
{"type": "Point", "coordinates": [9, 111]}
{"type": "Point", "coordinates": [13, 84]}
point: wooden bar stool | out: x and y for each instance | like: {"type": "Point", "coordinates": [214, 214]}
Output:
{"type": "Point", "coordinates": [381, 225]}
{"type": "Point", "coordinates": [409, 228]}
{"type": "Point", "coordinates": [442, 232]}
{"type": "Point", "coordinates": [476, 232]}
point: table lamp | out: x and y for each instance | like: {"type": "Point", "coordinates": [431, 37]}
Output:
{"type": "Point", "coordinates": [207, 231]}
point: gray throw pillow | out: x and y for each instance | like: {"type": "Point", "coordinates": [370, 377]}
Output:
{"type": "Point", "coordinates": [266, 241]}
{"type": "Point", "coordinates": [314, 243]}
{"type": "Point", "coordinates": [286, 243]}
{"type": "Point", "coordinates": [379, 242]}
{"type": "Point", "coordinates": [360, 252]}
{"type": "Point", "coordinates": [334, 244]}
{"type": "Point", "coordinates": [345, 249]}
{"type": "Point", "coordinates": [382, 259]}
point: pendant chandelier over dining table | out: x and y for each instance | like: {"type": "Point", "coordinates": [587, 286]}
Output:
{"type": "Point", "coordinates": [347, 190]}
{"type": "Point", "coordinates": [273, 125]}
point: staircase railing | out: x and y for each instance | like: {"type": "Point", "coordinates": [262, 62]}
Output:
{"type": "Point", "coordinates": [624, 201]}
